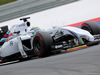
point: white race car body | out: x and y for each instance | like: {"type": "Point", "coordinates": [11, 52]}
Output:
{"type": "Point", "coordinates": [24, 42]}
{"type": "Point", "coordinates": [11, 47]}
{"type": "Point", "coordinates": [81, 33]}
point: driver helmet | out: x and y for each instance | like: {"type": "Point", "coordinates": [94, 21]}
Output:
{"type": "Point", "coordinates": [35, 29]}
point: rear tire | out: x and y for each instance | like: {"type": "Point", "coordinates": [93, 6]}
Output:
{"type": "Point", "coordinates": [41, 44]}
{"type": "Point", "coordinates": [92, 27]}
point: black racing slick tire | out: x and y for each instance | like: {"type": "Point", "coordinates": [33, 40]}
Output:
{"type": "Point", "coordinates": [92, 27]}
{"type": "Point", "coordinates": [42, 44]}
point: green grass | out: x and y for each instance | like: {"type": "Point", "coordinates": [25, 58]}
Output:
{"type": "Point", "coordinates": [2, 2]}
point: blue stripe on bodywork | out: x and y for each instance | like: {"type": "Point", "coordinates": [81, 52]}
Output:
{"type": "Point", "coordinates": [80, 42]}
{"type": "Point", "coordinates": [74, 35]}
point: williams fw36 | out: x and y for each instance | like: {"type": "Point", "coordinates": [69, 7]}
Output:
{"type": "Point", "coordinates": [20, 43]}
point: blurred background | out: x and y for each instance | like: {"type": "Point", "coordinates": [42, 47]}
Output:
{"type": "Point", "coordinates": [10, 9]}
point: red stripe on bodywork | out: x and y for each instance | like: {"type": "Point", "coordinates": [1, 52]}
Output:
{"type": "Point", "coordinates": [5, 36]}
{"type": "Point", "coordinates": [80, 23]}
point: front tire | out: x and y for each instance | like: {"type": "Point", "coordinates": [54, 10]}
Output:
{"type": "Point", "coordinates": [41, 44]}
{"type": "Point", "coordinates": [92, 27]}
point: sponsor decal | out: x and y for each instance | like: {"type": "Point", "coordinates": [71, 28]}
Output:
{"type": "Point", "coordinates": [58, 46]}
{"type": "Point", "coordinates": [11, 43]}
{"type": "Point", "coordinates": [21, 25]}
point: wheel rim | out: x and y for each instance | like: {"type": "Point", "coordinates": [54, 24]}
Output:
{"type": "Point", "coordinates": [86, 27]}
{"type": "Point", "coordinates": [37, 46]}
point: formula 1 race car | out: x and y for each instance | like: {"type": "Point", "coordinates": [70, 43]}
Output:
{"type": "Point", "coordinates": [25, 44]}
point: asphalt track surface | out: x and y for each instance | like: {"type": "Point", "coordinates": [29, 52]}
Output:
{"type": "Point", "coordinates": [82, 62]}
